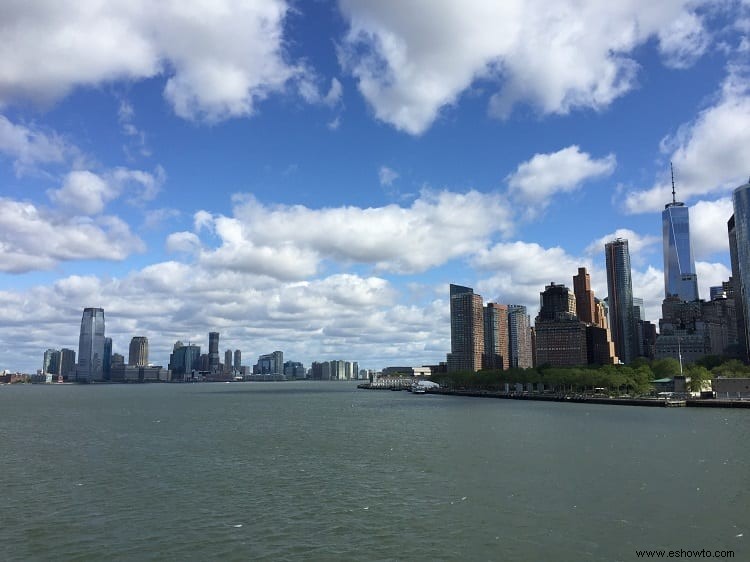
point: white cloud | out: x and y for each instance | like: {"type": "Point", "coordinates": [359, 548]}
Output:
{"type": "Point", "coordinates": [387, 175]}
{"type": "Point", "coordinates": [708, 227]}
{"type": "Point", "coordinates": [683, 41]}
{"type": "Point", "coordinates": [269, 240]}
{"type": "Point", "coordinates": [412, 60]}
{"type": "Point", "coordinates": [710, 154]}
{"type": "Point", "coordinates": [32, 238]}
{"type": "Point", "coordinates": [87, 193]}
{"type": "Point", "coordinates": [220, 57]}
{"type": "Point", "coordinates": [638, 244]}
{"type": "Point", "coordinates": [538, 179]}
{"type": "Point", "coordinates": [29, 145]}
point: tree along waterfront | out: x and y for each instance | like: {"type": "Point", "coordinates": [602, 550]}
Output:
{"type": "Point", "coordinates": [635, 379]}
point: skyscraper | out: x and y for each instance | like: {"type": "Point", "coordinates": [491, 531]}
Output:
{"type": "Point", "coordinates": [228, 361]}
{"type": "Point", "coordinates": [620, 299]}
{"type": "Point", "coordinates": [560, 337]}
{"type": "Point", "coordinates": [138, 352]}
{"type": "Point", "coordinates": [585, 307]}
{"type": "Point", "coordinates": [91, 346]}
{"type": "Point", "coordinates": [680, 279]}
{"type": "Point", "coordinates": [739, 246]}
{"type": "Point", "coordinates": [213, 352]}
{"type": "Point", "coordinates": [237, 360]}
{"type": "Point", "coordinates": [107, 368]}
{"type": "Point", "coordinates": [735, 290]}
{"type": "Point", "coordinates": [67, 363]}
{"type": "Point", "coordinates": [519, 337]}
{"type": "Point", "coordinates": [467, 330]}
{"type": "Point", "coordinates": [496, 336]}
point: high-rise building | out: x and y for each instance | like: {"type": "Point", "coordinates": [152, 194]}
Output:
{"type": "Point", "coordinates": [519, 337]}
{"type": "Point", "coordinates": [560, 337]}
{"type": "Point", "coordinates": [620, 300]}
{"type": "Point", "coordinates": [51, 363]}
{"type": "Point", "coordinates": [91, 346]}
{"type": "Point", "coordinates": [737, 288]}
{"type": "Point", "coordinates": [184, 360]}
{"type": "Point", "coordinates": [270, 364]}
{"type": "Point", "coordinates": [138, 351]}
{"type": "Point", "coordinates": [213, 352]}
{"type": "Point", "coordinates": [237, 360]}
{"type": "Point", "coordinates": [107, 358]}
{"type": "Point", "coordinates": [67, 363]}
{"type": "Point", "coordinates": [228, 361]}
{"type": "Point", "coordinates": [585, 306]}
{"type": "Point", "coordinates": [496, 337]}
{"type": "Point", "coordinates": [680, 279]}
{"type": "Point", "coordinates": [467, 330]}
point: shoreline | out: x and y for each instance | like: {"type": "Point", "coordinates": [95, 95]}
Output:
{"type": "Point", "coordinates": [577, 399]}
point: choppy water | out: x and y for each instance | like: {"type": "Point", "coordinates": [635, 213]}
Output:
{"type": "Point", "coordinates": [323, 471]}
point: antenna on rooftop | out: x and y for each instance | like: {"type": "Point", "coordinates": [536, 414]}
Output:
{"type": "Point", "coordinates": [674, 196]}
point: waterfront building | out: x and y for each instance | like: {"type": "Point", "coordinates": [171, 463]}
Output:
{"type": "Point", "coordinates": [228, 361]}
{"type": "Point", "coordinates": [118, 359]}
{"type": "Point", "coordinates": [67, 363]}
{"type": "Point", "coordinates": [91, 346]}
{"type": "Point", "coordinates": [139, 373]}
{"type": "Point", "coordinates": [585, 305]}
{"type": "Point", "coordinates": [107, 358]}
{"type": "Point", "coordinates": [184, 360]}
{"type": "Point", "coordinates": [496, 346]}
{"type": "Point", "coordinates": [270, 364]}
{"type": "Point", "coordinates": [237, 361]}
{"type": "Point", "coordinates": [138, 351]}
{"type": "Point", "coordinates": [520, 352]}
{"type": "Point", "coordinates": [467, 330]}
{"type": "Point", "coordinates": [213, 352]}
{"type": "Point", "coordinates": [51, 362]}
{"type": "Point", "coordinates": [560, 337]}
{"type": "Point", "coordinates": [680, 279]}
{"type": "Point", "coordinates": [620, 300]}
{"type": "Point", "coordinates": [294, 370]}
{"type": "Point", "coordinates": [739, 248]}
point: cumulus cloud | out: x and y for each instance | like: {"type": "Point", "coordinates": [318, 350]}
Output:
{"type": "Point", "coordinates": [638, 244]}
{"type": "Point", "coordinates": [710, 275]}
{"type": "Point", "coordinates": [220, 58]}
{"type": "Point", "coordinates": [710, 154]}
{"type": "Point", "coordinates": [683, 41]}
{"type": "Point", "coordinates": [412, 60]}
{"type": "Point", "coordinates": [708, 227]}
{"type": "Point", "coordinates": [538, 179]}
{"type": "Point", "coordinates": [33, 238]}
{"type": "Point", "coordinates": [290, 242]}
{"type": "Point", "coordinates": [87, 193]}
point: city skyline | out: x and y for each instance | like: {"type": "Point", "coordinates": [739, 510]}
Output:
{"type": "Point", "coordinates": [322, 203]}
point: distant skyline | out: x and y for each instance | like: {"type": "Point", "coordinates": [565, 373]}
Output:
{"type": "Point", "coordinates": [311, 176]}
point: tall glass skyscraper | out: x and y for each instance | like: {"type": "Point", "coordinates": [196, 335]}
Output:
{"type": "Point", "coordinates": [519, 337]}
{"type": "Point", "coordinates": [91, 346]}
{"type": "Point", "coordinates": [622, 320]}
{"type": "Point", "coordinates": [213, 352]}
{"type": "Point", "coordinates": [740, 246]}
{"type": "Point", "coordinates": [680, 279]}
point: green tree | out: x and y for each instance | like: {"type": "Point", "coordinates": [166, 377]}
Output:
{"type": "Point", "coordinates": [732, 368]}
{"type": "Point", "coordinates": [667, 367]}
{"type": "Point", "coordinates": [698, 374]}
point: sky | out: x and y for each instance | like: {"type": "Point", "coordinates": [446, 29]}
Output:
{"type": "Point", "coordinates": [310, 176]}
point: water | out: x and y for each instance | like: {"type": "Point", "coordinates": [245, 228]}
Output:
{"type": "Point", "coordinates": [323, 471]}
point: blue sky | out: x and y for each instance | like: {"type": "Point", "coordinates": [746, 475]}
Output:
{"type": "Point", "coordinates": [310, 176]}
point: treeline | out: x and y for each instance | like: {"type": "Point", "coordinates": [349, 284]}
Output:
{"type": "Point", "coordinates": [632, 379]}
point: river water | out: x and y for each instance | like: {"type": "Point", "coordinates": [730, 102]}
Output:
{"type": "Point", "coordinates": [324, 471]}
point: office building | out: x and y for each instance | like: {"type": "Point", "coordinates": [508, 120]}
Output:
{"type": "Point", "coordinates": [67, 363]}
{"type": "Point", "coordinates": [51, 362]}
{"type": "Point", "coordinates": [213, 352]}
{"type": "Point", "coordinates": [107, 358]}
{"type": "Point", "coordinates": [585, 304]}
{"type": "Point", "coordinates": [91, 346]}
{"type": "Point", "coordinates": [622, 321]}
{"type": "Point", "coordinates": [467, 330]}
{"type": "Point", "coordinates": [228, 361]}
{"type": "Point", "coordinates": [184, 360]}
{"type": "Point", "coordinates": [237, 361]}
{"type": "Point", "coordinates": [520, 352]}
{"type": "Point", "coordinates": [559, 336]}
{"type": "Point", "coordinates": [138, 351]}
{"type": "Point", "coordinates": [270, 364]}
{"type": "Point", "coordinates": [738, 286]}
{"type": "Point", "coordinates": [496, 337]}
{"type": "Point", "coordinates": [680, 279]}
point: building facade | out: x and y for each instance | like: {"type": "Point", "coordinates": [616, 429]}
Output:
{"type": "Point", "coordinates": [213, 352]}
{"type": "Point", "coordinates": [620, 300]}
{"type": "Point", "coordinates": [496, 337]}
{"type": "Point", "coordinates": [520, 352]}
{"type": "Point", "coordinates": [680, 279]}
{"type": "Point", "coordinates": [91, 346]}
{"type": "Point", "coordinates": [467, 330]}
{"type": "Point", "coordinates": [740, 253]}
{"type": "Point", "coordinates": [138, 351]}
